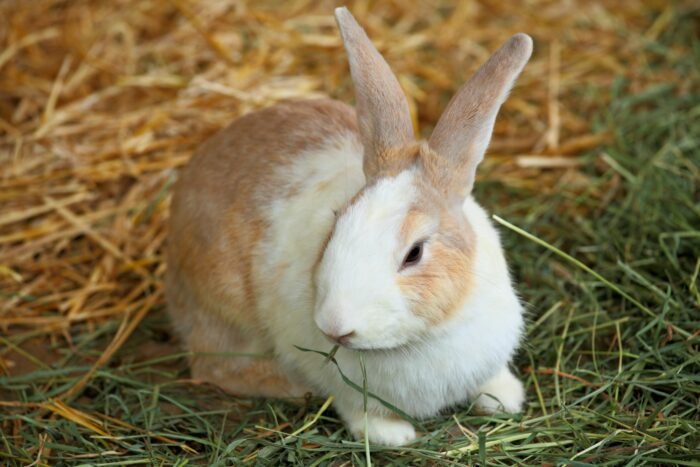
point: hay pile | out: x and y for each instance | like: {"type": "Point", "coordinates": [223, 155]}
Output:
{"type": "Point", "coordinates": [100, 102]}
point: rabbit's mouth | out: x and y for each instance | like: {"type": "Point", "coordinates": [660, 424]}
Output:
{"type": "Point", "coordinates": [372, 347]}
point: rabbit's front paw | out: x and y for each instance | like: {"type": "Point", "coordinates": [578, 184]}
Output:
{"type": "Point", "coordinates": [387, 431]}
{"type": "Point", "coordinates": [502, 393]}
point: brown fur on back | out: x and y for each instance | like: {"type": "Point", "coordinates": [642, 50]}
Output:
{"type": "Point", "coordinates": [218, 219]}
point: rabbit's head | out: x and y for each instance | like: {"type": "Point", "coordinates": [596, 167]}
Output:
{"type": "Point", "coordinates": [399, 260]}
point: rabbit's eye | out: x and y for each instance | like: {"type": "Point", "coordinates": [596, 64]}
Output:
{"type": "Point", "coordinates": [414, 255]}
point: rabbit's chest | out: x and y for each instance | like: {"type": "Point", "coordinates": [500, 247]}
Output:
{"type": "Point", "coordinates": [448, 371]}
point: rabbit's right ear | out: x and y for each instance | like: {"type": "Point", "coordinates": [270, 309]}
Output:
{"type": "Point", "coordinates": [463, 132]}
{"type": "Point", "coordinates": [382, 109]}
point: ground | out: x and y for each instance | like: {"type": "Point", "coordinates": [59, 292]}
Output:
{"type": "Point", "coordinates": [593, 176]}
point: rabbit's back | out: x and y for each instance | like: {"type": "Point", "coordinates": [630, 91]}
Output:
{"type": "Point", "coordinates": [255, 199]}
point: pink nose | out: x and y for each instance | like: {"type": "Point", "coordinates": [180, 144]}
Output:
{"type": "Point", "coordinates": [343, 339]}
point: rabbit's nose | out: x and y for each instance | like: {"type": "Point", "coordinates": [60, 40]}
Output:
{"type": "Point", "coordinates": [341, 339]}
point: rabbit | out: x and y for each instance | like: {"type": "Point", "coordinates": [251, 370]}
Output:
{"type": "Point", "coordinates": [310, 224]}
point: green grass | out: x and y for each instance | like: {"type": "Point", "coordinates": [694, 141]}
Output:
{"type": "Point", "coordinates": [609, 268]}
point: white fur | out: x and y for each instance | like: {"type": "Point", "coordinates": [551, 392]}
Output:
{"type": "Point", "coordinates": [462, 358]}
{"type": "Point", "coordinates": [380, 429]}
{"type": "Point", "coordinates": [356, 281]}
{"type": "Point", "coordinates": [502, 392]}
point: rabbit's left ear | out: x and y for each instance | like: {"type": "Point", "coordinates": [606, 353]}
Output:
{"type": "Point", "coordinates": [463, 132]}
{"type": "Point", "coordinates": [382, 109]}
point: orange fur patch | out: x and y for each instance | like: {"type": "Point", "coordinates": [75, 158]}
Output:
{"type": "Point", "coordinates": [390, 162]}
{"type": "Point", "coordinates": [438, 286]}
{"type": "Point", "coordinates": [444, 175]}
{"type": "Point", "coordinates": [260, 377]}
